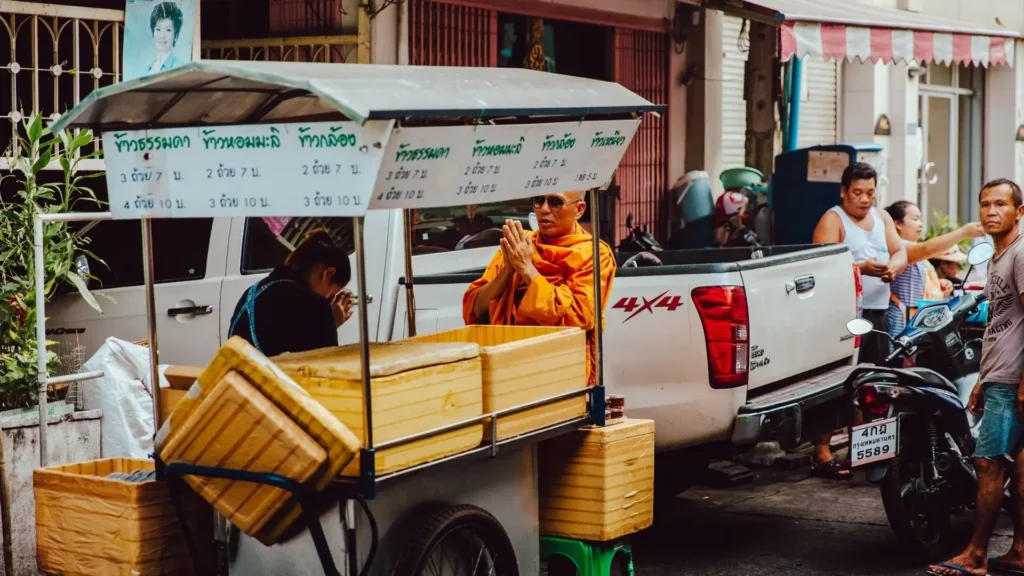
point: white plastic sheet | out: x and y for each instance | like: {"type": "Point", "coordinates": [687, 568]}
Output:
{"type": "Point", "coordinates": [124, 396]}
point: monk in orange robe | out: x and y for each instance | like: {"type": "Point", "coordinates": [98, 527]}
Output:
{"type": "Point", "coordinates": [544, 278]}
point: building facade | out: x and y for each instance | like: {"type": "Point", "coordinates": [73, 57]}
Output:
{"type": "Point", "coordinates": [936, 84]}
{"type": "Point", "coordinates": [624, 41]}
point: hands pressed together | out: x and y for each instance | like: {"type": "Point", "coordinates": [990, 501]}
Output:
{"type": "Point", "coordinates": [517, 251]}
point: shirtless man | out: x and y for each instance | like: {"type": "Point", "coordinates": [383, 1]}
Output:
{"type": "Point", "coordinates": [872, 238]}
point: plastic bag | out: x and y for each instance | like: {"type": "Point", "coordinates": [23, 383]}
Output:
{"type": "Point", "coordinates": [124, 396]}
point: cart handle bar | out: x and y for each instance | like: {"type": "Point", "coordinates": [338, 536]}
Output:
{"type": "Point", "coordinates": [493, 417]}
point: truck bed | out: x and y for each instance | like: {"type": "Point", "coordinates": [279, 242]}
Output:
{"type": "Point", "coordinates": [654, 343]}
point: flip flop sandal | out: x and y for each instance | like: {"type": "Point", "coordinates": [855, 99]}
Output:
{"type": "Point", "coordinates": [831, 470]}
{"type": "Point", "coordinates": [948, 566]}
{"type": "Point", "coordinates": [1003, 568]}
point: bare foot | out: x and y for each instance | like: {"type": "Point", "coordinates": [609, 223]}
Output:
{"type": "Point", "coordinates": [1011, 560]}
{"type": "Point", "coordinates": [966, 563]}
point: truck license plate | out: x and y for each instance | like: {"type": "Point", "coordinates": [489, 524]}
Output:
{"type": "Point", "coordinates": [874, 442]}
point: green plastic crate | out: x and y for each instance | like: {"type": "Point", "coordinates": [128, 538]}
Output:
{"type": "Point", "coordinates": [588, 558]}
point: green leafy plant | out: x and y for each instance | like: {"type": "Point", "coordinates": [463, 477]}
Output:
{"type": "Point", "coordinates": [28, 156]}
{"type": "Point", "coordinates": [944, 225]}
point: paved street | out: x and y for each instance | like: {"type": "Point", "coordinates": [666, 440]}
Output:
{"type": "Point", "coordinates": [781, 524]}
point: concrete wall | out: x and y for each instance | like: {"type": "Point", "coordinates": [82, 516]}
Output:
{"type": "Point", "coordinates": [70, 439]}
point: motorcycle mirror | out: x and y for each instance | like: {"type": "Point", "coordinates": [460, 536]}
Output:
{"type": "Point", "coordinates": [82, 266]}
{"type": "Point", "coordinates": [629, 221]}
{"type": "Point", "coordinates": [980, 254]}
{"type": "Point", "coordinates": [533, 222]}
{"type": "Point", "coordinates": [859, 326]}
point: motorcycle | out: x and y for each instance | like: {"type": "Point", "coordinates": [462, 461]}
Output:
{"type": "Point", "coordinates": [639, 239]}
{"type": "Point", "coordinates": [642, 243]}
{"type": "Point", "coordinates": [917, 441]}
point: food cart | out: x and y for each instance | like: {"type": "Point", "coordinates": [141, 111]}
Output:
{"type": "Point", "coordinates": [268, 139]}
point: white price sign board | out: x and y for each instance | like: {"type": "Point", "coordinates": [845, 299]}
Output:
{"type": "Point", "coordinates": [454, 165]}
{"type": "Point", "coordinates": [316, 169]}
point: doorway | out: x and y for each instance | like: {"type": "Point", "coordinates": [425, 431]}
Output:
{"type": "Point", "coordinates": [950, 144]}
{"type": "Point", "coordinates": [570, 48]}
{"type": "Point", "coordinates": [939, 135]}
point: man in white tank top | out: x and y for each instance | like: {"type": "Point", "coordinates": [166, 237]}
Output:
{"type": "Point", "coordinates": [871, 236]}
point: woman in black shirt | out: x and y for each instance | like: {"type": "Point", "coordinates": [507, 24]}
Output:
{"type": "Point", "coordinates": [300, 305]}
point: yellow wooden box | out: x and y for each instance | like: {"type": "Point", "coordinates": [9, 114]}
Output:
{"type": "Point", "coordinates": [522, 364]}
{"type": "Point", "coordinates": [416, 387]}
{"type": "Point", "coordinates": [238, 428]}
{"type": "Point", "coordinates": [87, 524]}
{"type": "Point", "coordinates": [341, 443]}
{"type": "Point", "coordinates": [596, 483]}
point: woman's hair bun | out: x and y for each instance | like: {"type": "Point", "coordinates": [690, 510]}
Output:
{"type": "Point", "coordinates": [318, 247]}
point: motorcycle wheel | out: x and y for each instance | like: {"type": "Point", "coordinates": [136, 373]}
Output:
{"type": "Point", "coordinates": [920, 526]}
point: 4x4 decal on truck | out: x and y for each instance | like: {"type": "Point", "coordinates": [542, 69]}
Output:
{"type": "Point", "coordinates": [663, 300]}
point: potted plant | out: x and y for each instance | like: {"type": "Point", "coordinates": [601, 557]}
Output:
{"type": "Point", "coordinates": [27, 192]}
{"type": "Point", "coordinates": [29, 155]}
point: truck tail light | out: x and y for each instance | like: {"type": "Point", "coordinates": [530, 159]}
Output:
{"type": "Point", "coordinates": [724, 316]}
{"type": "Point", "coordinates": [858, 289]}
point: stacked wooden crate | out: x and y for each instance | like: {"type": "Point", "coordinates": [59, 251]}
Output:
{"type": "Point", "coordinates": [597, 483]}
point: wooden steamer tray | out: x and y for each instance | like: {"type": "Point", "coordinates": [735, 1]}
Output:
{"type": "Point", "coordinates": [87, 524]}
{"type": "Point", "coordinates": [415, 387]}
{"type": "Point", "coordinates": [524, 364]}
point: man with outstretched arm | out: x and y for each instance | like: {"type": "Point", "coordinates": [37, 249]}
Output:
{"type": "Point", "coordinates": [999, 394]}
{"type": "Point", "coordinates": [871, 236]}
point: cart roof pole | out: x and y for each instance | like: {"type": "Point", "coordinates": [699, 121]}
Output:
{"type": "Point", "coordinates": [149, 271]}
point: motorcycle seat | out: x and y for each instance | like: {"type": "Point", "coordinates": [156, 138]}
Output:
{"type": "Point", "coordinates": [930, 378]}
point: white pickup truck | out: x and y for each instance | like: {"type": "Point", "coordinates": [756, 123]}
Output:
{"type": "Point", "coordinates": [720, 348]}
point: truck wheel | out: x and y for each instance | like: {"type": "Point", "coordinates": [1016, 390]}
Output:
{"type": "Point", "coordinates": [457, 540]}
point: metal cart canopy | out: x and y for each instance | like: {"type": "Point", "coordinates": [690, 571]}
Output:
{"type": "Point", "coordinates": [218, 92]}
{"type": "Point", "coordinates": [282, 139]}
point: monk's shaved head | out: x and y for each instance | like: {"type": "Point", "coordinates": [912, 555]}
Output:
{"type": "Point", "coordinates": [576, 195]}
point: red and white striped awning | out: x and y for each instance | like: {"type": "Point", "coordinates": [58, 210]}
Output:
{"type": "Point", "coordinates": [852, 30]}
{"type": "Point", "coordinates": [836, 42]}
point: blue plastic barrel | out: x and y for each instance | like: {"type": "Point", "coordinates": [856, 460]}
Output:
{"type": "Point", "coordinates": [696, 206]}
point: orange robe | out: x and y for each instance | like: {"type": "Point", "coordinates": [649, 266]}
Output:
{"type": "Point", "coordinates": [562, 294]}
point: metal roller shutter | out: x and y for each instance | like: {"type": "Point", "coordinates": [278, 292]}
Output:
{"type": "Point", "coordinates": [818, 110]}
{"type": "Point", "coordinates": [641, 65]}
{"type": "Point", "coordinates": [452, 35]}
{"type": "Point", "coordinates": [735, 46]}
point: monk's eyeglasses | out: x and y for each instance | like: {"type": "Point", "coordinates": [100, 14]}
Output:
{"type": "Point", "coordinates": [553, 202]}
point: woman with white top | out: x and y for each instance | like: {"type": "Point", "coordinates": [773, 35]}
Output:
{"type": "Point", "coordinates": [919, 281]}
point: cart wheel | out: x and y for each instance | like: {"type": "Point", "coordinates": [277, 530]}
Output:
{"type": "Point", "coordinates": [459, 540]}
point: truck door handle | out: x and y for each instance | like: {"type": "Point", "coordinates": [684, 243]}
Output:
{"type": "Point", "coordinates": [800, 284]}
{"type": "Point", "coordinates": [190, 311]}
